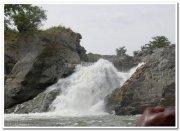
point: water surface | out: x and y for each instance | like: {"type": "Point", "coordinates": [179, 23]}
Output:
{"type": "Point", "coordinates": [32, 120]}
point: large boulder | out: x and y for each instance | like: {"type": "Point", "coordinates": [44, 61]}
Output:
{"type": "Point", "coordinates": [152, 84]}
{"type": "Point", "coordinates": [43, 59]}
{"type": "Point", "coordinates": [40, 103]}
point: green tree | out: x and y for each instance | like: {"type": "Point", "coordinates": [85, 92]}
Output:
{"type": "Point", "coordinates": [157, 42]}
{"type": "Point", "coordinates": [121, 51]}
{"type": "Point", "coordinates": [24, 17]}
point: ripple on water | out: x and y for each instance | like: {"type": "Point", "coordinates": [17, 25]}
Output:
{"type": "Point", "coordinates": [91, 121]}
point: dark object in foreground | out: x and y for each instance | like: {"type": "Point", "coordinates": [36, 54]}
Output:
{"type": "Point", "coordinates": [157, 116]}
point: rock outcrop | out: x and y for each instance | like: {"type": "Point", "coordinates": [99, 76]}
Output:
{"type": "Point", "coordinates": [122, 63]}
{"type": "Point", "coordinates": [40, 103]}
{"type": "Point", "coordinates": [38, 61]}
{"type": "Point", "coordinates": [151, 85]}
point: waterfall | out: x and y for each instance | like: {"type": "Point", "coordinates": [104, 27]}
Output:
{"type": "Point", "coordinates": [84, 91]}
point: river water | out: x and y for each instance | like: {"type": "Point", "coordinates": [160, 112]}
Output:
{"type": "Point", "coordinates": [81, 101]}
{"type": "Point", "coordinates": [44, 120]}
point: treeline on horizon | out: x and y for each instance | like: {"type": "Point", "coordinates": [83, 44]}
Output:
{"type": "Point", "coordinates": [27, 19]}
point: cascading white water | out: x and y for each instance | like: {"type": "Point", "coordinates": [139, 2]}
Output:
{"type": "Point", "coordinates": [84, 91]}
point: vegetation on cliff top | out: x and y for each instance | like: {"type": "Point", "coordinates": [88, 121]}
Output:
{"type": "Point", "coordinates": [24, 20]}
{"type": "Point", "coordinates": [157, 42]}
{"type": "Point", "coordinates": [23, 17]}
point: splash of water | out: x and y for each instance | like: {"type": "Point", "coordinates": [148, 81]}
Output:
{"type": "Point", "coordinates": [84, 91]}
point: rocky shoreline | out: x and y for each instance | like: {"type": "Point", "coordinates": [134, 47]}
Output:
{"type": "Point", "coordinates": [35, 62]}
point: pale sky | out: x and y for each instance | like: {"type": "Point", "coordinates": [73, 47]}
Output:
{"type": "Point", "coordinates": [105, 27]}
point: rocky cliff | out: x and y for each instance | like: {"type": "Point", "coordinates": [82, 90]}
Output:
{"type": "Point", "coordinates": [35, 61]}
{"type": "Point", "coordinates": [151, 85]}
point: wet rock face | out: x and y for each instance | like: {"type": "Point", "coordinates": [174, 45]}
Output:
{"type": "Point", "coordinates": [42, 60]}
{"type": "Point", "coordinates": [151, 85]}
{"type": "Point", "coordinates": [40, 103]}
{"type": "Point", "coordinates": [9, 63]}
